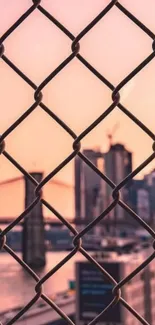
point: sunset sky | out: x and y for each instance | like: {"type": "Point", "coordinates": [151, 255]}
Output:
{"type": "Point", "coordinates": [115, 46]}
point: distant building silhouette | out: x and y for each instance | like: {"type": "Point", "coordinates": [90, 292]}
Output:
{"type": "Point", "coordinates": [118, 164]}
{"type": "Point", "coordinates": [93, 195]}
{"type": "Point", "coordinates": [142, 198]}
{"type": "Point", "coordinates": [139, 199]}
{"type": "Point", "coordinates": [89, 188]}
{"type": "Point", "coordinates": [150, 183]}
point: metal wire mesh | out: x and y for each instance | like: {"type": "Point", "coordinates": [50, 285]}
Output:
{"type": "Point", "coordinates": [38, 102]}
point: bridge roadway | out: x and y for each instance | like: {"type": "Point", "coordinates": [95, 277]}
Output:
{"type": "Point", "coordinates": [46, 221]}
{"type": "Point", "coordinates": [55, 223]}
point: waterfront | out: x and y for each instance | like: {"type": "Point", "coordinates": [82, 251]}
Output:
{"type": "Point", "coordinates": [17, 287]}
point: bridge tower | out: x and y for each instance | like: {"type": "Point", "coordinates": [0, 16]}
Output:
{"type": "Point", "coordinates": [33, 239]}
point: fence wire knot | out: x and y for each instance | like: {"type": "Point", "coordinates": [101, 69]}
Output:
{"type": "Point", "coordinates": [2, 146]}
{"type": "Point", "coordinates": [2, 240]}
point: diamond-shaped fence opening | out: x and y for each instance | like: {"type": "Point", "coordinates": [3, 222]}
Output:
{"type": "Point", "coordinates": [38, 102]}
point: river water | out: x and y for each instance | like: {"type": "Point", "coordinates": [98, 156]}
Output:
{"type": "Point", "coordinates": [17, 287]}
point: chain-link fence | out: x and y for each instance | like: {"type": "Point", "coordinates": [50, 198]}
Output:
{"type": "Point", "coordinates": [38, 102]}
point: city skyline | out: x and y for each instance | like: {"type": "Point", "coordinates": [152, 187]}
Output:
{"type": "Point", "coordinates": [93, 195]}
{"type": "Point", "coordinates": [62, 181]}
{"type": "Point", "coordinates": [56, 189]}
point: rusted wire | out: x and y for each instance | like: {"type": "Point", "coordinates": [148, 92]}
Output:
{"type": "Point", "coordinates": [38, 102]}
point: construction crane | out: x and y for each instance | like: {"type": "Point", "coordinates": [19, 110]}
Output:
{"type": "Point", "coordinates": [111, 133]}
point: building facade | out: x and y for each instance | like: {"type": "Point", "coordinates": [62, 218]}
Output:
{"type": "Point", "coordinates": [150, 183]}
{"type": "Point", "coordinates": [142, 198]}
{"type": "Point", "coordinates": [92, 194]}
{"type": "Point", "coordinates": [94, 292]}
{"type": "Point", "coordinates": [139, 199]}
{"type": "Point", "coordinates": [118, 164]}
{"type": "Point", "coordinates": [89, 188]}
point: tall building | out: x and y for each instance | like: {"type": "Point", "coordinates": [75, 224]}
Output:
{"type": "Point", "coordinates": [118, 164]}
{"type": "Point", "coordinates": [142, 198]}
{"type": "Point", "coordinates": [139, 199]}
{"type": "Point", "coordinates": [33, 228]}
{"type": "Point", "coordinates": [150, 178]}
{"type": "Point", "coordinates": [89, 188]}
{"type": "Point", "coordinates": [94, 292]}
{"type": "Point", "coordinates": [150, 183]}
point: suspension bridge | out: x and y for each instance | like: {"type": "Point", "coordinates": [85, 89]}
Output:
{"type": "Point", "coordinates": [13, 187]}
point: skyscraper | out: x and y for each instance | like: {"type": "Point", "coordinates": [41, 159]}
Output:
{"type": "Point", "coordinates": [150, 183]}
{"type": "Point", "coordinates": [89, 188]}
{"type": "Point", "coordinates": [118, 164]}
{"type": "Point", "coordinates": [92, 194]}
{"type": "Point", "coordinates": [139, 199]}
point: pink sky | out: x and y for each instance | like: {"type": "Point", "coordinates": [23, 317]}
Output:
{"type": "Point", "coordinates": [115, 46]}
